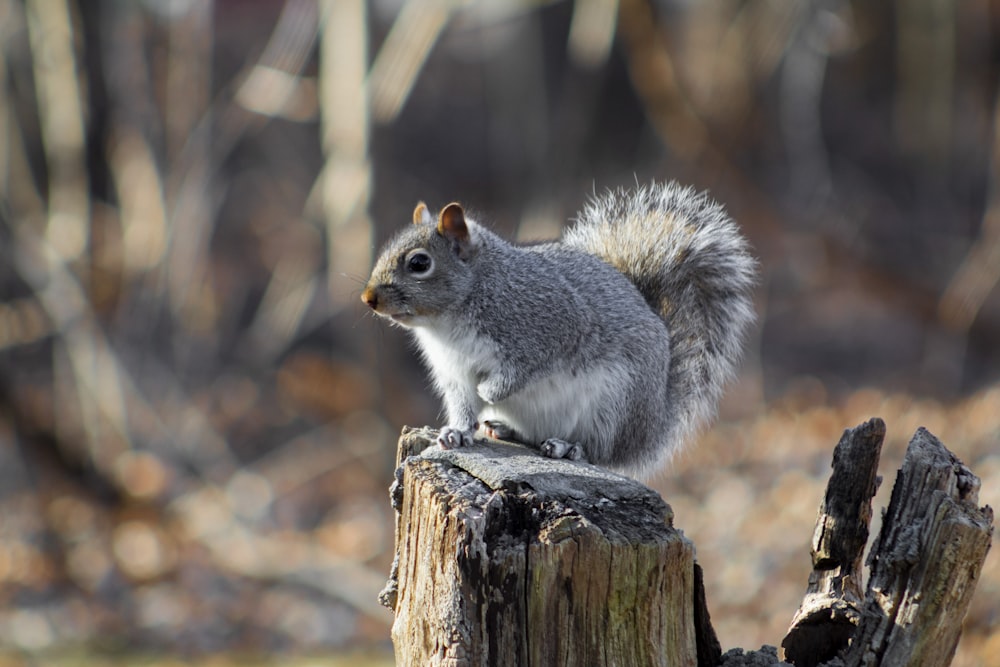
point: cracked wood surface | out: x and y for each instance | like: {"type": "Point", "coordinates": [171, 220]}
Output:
{"type": "Point", "coordinates": [924, 564]}
{"type": "Point", "coordinates": [508, 558]}
{"type": "Point", "coordinates": [831, 609]}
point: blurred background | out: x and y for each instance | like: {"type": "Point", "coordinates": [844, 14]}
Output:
{"type": "Point", "coordinates": [197, 417]}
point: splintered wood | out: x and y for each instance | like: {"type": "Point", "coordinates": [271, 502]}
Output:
{"type": "Point", "coordinates": [924, 564]}
{"type": "Point", "coordinates": [830, 611]}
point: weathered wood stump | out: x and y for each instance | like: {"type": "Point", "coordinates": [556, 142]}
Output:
{"type": "Point", "coordinates": [924, 564]}
{"type": "Point", "coordinates": [504, 557]}
{"type": "Point", "coordinates": [831, 609]}
{"type": "Point", "coordinates": [508, 558]}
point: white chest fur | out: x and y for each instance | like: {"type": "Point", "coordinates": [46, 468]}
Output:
{"type": "Point", "coordinates": [456, 354]}
{"type": "Point", "coordinates": [571, 405]}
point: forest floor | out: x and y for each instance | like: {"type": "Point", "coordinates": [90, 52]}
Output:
{"type": "Point", "coordinates": [198, 582]}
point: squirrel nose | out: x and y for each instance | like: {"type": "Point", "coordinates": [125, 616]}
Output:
{"type": "Point", "coordinates": [370, 296]}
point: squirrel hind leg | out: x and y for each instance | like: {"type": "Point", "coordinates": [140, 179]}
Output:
{"type": "Point", "coordinates": [554, 448]}
{"type": "Point", "coordinates": [498, 430]}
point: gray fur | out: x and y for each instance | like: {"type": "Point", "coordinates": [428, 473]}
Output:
{"type": "Point", "coordinates": [621, 358]}
{"type": "Point", "coordinates": [689, 260]}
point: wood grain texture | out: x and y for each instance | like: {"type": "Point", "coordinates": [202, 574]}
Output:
{"type": "Point", "coordinates": [831, 609]}
{"type": "Point", "coordinates": [925, 562]}
{"type": "Point", "coordinates": [508, 558]}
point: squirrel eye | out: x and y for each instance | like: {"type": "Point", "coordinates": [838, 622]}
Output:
{"type": "Point", "coordinates": [419, 263]}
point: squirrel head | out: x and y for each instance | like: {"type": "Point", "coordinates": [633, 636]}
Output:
{"type": "Point", "coordinates": [425, 270]}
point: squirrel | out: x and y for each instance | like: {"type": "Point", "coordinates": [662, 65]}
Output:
{"type": "Point", "coordinates": [611, 345]}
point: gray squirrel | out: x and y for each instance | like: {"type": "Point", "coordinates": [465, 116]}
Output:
{"type": "Point", "coordinates": [611, 345]}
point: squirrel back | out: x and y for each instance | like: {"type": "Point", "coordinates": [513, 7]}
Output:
{"type": "Point", "coordinates": [690, 262]}
{"type": "Point", "coordinates": [611, 344]}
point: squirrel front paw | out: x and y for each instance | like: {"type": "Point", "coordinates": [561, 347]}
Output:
{"type": "Point", "coordinates": [554, 448]}
{"type": "Point", "coordinates": [450, 437]}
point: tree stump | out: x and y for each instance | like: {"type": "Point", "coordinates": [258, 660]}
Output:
{"type": "Point", "coordinates": [831, 609]}
{"type": "Point", "coordinates": [504, 557]}
{"type": "Point", "coordinates": [924, 563]}
{"type": "Point", "coordinates": [508, 558]}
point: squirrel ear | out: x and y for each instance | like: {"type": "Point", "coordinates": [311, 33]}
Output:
{"type": "Point", "coordinates": [421, 215]}
{"type": "Point", "coordinates": [451, 223]}
{"type": "Point", "coordinates": [452, 226]}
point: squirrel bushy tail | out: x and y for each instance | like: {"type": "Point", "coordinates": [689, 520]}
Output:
{"type": "Point", "coordinates": [694, 268]}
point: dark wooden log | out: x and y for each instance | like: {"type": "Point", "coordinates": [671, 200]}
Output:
{"type": "Point", "coordinates": [829, 613]}
{"type": "Point", "coordinates": [925, 563]}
